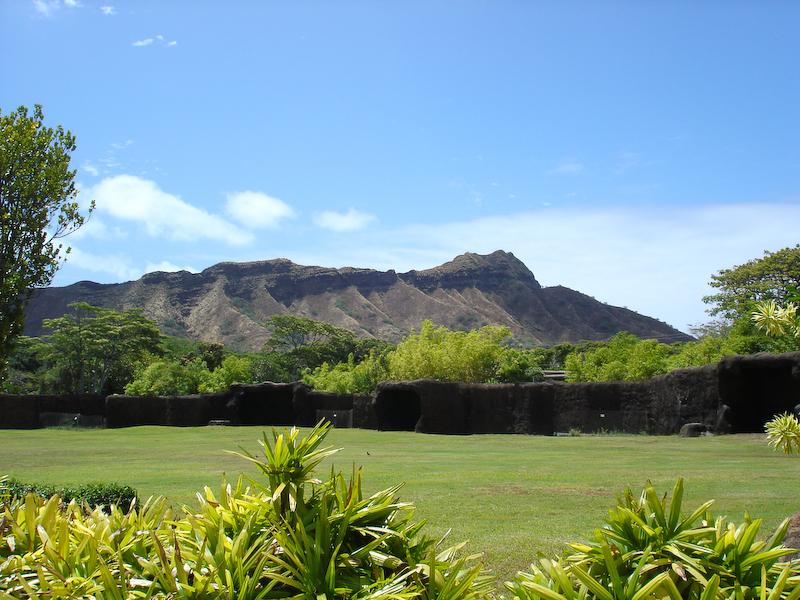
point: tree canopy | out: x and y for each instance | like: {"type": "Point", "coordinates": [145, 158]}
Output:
{"type": "Point", "coordinates": [37, 209]}
{"type": "Point", "coordinates": [300, 343]}
{"type": "Point", "coordinates": [775, 276]}
{"type": "Point", "coordinates": [97, 350]}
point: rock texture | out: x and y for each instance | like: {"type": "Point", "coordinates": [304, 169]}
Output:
{"type": "Point", "coordinates": [230, 302]}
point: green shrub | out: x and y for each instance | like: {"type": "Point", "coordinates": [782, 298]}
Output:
{"type": "Point", "coordinates": [168, 378]}
{"type": "Point", "coordinates": [435, 352]}
{"type": "Point", "coordinates": [783, 433]}
{"type": "Point", "coordinates": [234, 369]}
{"type": "Point", "coordinates": [93, 494]}
{"type": "Point", "coordinates": [349, 377]}
{"type": "Point", "coordinates": [288, 535]}
{"type": "Point", "coordinates": [649, 548]}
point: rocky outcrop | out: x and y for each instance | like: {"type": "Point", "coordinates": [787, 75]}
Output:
{"type": "Point", "coordinates": [230, 302]}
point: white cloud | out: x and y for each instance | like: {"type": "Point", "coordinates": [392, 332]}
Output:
{"type": "Point", "coordinates": [119, 267]}
{"type": "Point", "coordinates": [47, 8]}
{"type": "Point", "coordinates": [92, 228]}
{"type": "Point", "coordinates": [108, 10]}
{"type": "Point", "coordinates": [167, 267]}
{"type": "Point", "coordinates": [255, 210]}
{"type": "Point", "coordinates": [148, 41]}
{"type": "Point", "coordinates": [568, 166]}
{"type": "Point", "coordinates": [90, 169]}
{"type": "Point", "coordinates": [121, 145]}
{"type": "Point", "coordinates": [115, 265]}
{"type": "Point", "coordinates": [132, 198]}
{"type": "Point", "coordinates": [352, 220]}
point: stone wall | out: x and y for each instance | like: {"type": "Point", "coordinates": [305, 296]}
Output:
{"type": "Point", "coordinates": [739, 395]}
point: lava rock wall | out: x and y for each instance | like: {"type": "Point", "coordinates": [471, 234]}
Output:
{"type": "Point", "coordinates": [737, 395]}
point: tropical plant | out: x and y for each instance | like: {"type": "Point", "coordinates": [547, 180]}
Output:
{"type": "Point", "coordinates": [649, 548]}
{"type": "Point", "coordinates": [783, 433]}
{"type": "Point", "coordinates": [286, 535]}
{"type": "Point", "coordinates": [777, 320]}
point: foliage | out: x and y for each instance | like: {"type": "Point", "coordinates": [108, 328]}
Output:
{"type": "Point", "coordinates": [168, 378]}
{"type": "Point", "coordinates": [37, 210]}
{"type": "Point", "coordinates": [97, 350]}
{"type": "Point", "coordinates": [273, 366]}
{"type": "Point", "coordinates": [93, 494]}
{"type": "Point", "coordinates": [777, 321]}
{"type": "Point", "coordinates": [624, 358]}
{"type": "Point", "coordinates": [299, 343]}
{"type": "Point", "coordinates": [211, 353]}
{"type": "Point", "coordinates": [234, 369]}
{"type": "Point", "coordinates": [176, 348]}
{"type": "Point", "coordinates": [553, 357]}
{"type": "Point", "coordinates": [775, 276]}
{"type": "Point", "coordinates": [783, 433]}
{"type": "Point", "coordinates": [517, 366]}
{"type": "Point", "coordinates": [26, 367]}
{"type": "Point", "coordinates": [649, 549]}
{"type": "Point", "coordinates": [189, 376]}
{"type": "Point", "coordinates": [349, 377]}
{"type": "Point", "coordinates": [435, 352]}
{"type": "Point", "coordinates": [290, 536]}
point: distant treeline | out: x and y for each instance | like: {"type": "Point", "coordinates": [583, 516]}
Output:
{"type": "Point", "coordinates": [103, 351]}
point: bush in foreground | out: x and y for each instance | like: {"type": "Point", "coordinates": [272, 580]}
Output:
{"type": "Point", "coordinates": [294, 536]}
{"type": "Point", "coordinates": [649, 549]}
{"type": "Point", "coordinates": [289, 536]}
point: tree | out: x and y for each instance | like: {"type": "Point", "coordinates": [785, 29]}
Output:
{"type": "Point", "coordinates": [775, 276]}
{"type": "Point", "coordinates": [300, 343]}
{"type": "Point", "coordinates": [37, 210]}
{"type": "Point", "coordinates": [97, 350]}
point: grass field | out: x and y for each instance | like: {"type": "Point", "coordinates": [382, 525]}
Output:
{"type": "Point", "coordinates": [510, 496]}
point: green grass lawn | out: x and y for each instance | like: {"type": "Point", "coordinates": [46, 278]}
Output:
{"type": "Point", "coordinates": [510, 496]}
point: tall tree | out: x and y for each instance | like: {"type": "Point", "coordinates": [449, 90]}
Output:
{"type": "Point", "coordinates": [299, 343]}
{"type": "Point", "coordinates": [37, 210]}
{"type": "Point", "coordinates": [97, 350]}
{"type": "Point", "coordinates": [775, 276]}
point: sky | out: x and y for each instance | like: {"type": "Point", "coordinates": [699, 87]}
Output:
{"type": "Point", "coordinates": [628, 150]}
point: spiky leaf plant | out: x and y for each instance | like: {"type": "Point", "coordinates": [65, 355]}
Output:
{"type": "Point", "coordinates": [783, 433]}
{"type": "Point", "coordinates": [291, 536]}
{"type": "Point", "coordinates": [649, 549]}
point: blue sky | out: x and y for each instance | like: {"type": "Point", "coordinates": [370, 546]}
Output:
{"type": "Point", "coordinates": [625, 149]}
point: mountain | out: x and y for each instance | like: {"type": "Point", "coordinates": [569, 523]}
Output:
{"type": "Point", "coordinates": [230, 302]}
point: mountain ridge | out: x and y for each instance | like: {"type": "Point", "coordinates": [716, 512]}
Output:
{"type": "Point", "coordinates": [229, 302]}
